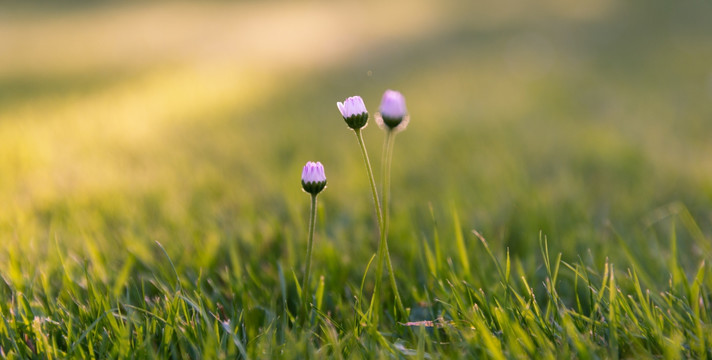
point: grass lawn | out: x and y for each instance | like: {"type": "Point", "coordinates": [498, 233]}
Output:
{"type": "Point", "coordinates": [551, 196]}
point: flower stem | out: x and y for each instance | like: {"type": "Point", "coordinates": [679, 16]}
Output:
{"type": "Point", "coordinates": [305, 282]}
{"type": "Point", "coordinates": [390, 140]}
{"type": "Point", "coordinates": [373, 308]}
{"type": "Point", "coordinates": [377, 204]}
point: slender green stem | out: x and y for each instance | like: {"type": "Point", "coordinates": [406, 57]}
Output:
{"type": "Point", "coordinates": [384, 162]}
{"type": "Point", "coordinates": [372, 180]}
{"type": "Point", "coordinates": [305, 282]}
{"type": "Point", "coordinates": [390, 140]}
{"type": "Point", "coordinates": [373, 308]}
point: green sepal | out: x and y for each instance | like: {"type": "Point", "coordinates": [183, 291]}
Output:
{"type": "Point", "coordinates": [314, 187]}
{"type": "Point", "coordinates": [357, 121]}
{"type": "Point", "coordinates": [392, 122]}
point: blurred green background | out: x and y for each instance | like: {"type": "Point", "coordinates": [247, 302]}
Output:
{"type": "Point", "coordinates": [188, 123]}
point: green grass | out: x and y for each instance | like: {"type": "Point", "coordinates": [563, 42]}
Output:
{"type": "Point", "coordinates": [551, 196]}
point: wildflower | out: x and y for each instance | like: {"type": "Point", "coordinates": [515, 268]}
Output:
{"type": "Point", "coordinates": [313, 182]}
{"type": "Point", "coordinates": [354, 112]}
{"type": "Point", "coordinates": [313, 177]}
{"type": "Point", "coordinates": [393, 117]}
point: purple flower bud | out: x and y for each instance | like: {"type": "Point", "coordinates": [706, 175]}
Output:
{"type": "Point", "coordinates": [354, 112]}
{"type": "Point", "coordinates": [313, 177]}
{"type": "Point", "coordinates": [392, 108]}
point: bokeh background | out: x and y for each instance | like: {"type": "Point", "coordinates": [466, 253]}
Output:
{"type": "Point", "coordinates": [125, 123]}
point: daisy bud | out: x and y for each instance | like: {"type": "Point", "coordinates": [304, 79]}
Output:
{"type": "Point", "coordinates": [354, 112]}
{"type": "Point", "coordinates": [392, 108]}
{"type": "Point", "coordinates": [313, 177]}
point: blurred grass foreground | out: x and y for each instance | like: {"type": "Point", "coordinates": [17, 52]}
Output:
{"type": "Point", "coordinates": [187, 124]}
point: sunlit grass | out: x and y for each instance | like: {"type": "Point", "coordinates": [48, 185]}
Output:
{"type": "Point", "coordinates": [151, 204]}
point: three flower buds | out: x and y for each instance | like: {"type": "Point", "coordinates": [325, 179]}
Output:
{"type": "Point", "coordinates": [392, 114]}
{"type": "Point", "coordinates": [313, 177]}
